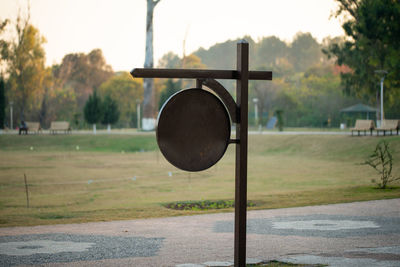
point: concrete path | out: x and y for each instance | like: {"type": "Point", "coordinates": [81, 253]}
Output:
{"type": "Point", "coordinates": [354, 234]}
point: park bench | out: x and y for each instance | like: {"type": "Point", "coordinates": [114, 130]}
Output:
{"type": "Point", "coordinates": [389, 125]}
{"type": "Point", "coordinates": [56, 126]}
{"type": "Point", "coordinates": [363, 125]}
{"type": "Point", "coordinates": [33, 127]}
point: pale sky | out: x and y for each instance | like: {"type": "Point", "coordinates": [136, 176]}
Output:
{"type": "Point", "coordinates": [118, 26]}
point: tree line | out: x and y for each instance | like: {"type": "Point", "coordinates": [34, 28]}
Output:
{"type": "Point", "coordinates": [61, 91]}
{"type": "Point", "coordinates": [371, 48]}
{"type": "Point", "coordinates": [312, 80]}
{"type": "Point", "coordinates": [306, 90]}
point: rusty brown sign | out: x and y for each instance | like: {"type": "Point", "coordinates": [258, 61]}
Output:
{"type": "Point", "coordinates": [193, 129]}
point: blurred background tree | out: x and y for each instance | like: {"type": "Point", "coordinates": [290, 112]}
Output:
{"type": "Point", "coordinates": [93, 111]}
{"type": "Point", "coordinates": [2, 103]}
{"type": "Point", "coordinates": [171, 88]}
{"type": "Point", "coordinates": [110, 112]}
{"type": "Point", "coordinates": [82, 73]}
{"type": "Point", "coordinates": [372, 43]}
{"type": "Point", "coordinates": [304, 52]}
{"type": "Point", "coordinates": [127, 93]}
{"type": "Point", "coordinates": [279, 117]}
{"type": "Point", "coordinates": [312, 81]}
{"type": "Point", "coordinates": [24, 57]}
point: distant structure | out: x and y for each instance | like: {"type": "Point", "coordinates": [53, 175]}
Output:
{"type": "Point", "coordinates": [360, 108]}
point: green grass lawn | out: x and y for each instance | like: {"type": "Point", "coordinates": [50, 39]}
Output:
{"type": "Point", "coordinates": [113, 177]}
{"type": "Point", "coordinates": [68, 143]}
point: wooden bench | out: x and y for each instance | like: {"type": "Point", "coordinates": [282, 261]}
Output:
{"type": "Point", "coordinates": [389, 125]}
{"type": "Point", "coordinates": [363, 125]}
{"type": "Point", "coordinates": [33, 127]}
{"type": "Point", "coordinates": [56, 126]}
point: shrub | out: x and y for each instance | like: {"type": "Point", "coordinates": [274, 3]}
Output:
{"type": "Point", "coordinates": [382, 161]}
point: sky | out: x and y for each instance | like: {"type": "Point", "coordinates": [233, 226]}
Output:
{"type": "Point", "coordinates": [117, 27]}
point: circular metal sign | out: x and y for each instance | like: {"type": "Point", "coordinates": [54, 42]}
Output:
{"type": "Point", "coordinates": [193, 129]}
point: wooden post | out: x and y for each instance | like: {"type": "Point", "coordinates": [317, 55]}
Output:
{"type": "Point", "coordinates": [26, 190]}
{"type": "Point", "coordinates": [239, 113]}
{"type": "Point", "coordinates": [241, 154]}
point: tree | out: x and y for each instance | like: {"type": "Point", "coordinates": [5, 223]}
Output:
{"type": "Point", "coordinates": [110, 112]}
{"type": "Point", "coordinates": [223, 55]}
{"type": "Point", "coordinates": [24, 60]}
{"type": "Point", "coordinates": [266, 95]}
{"type": "Point", "coordinates": [305, 52]}
{"type": "Point", "coordinates": [170, 61]}
{"type": "Point", "coordinates": [3, 43]}
{"type": "Point", "coordinates": [82, 73]}
{"type": "Point", "coordinates": [270, 50]}
{"type": "Point", "coordinates": [373, 39]}
{"type": "Point", "coordinates": [279, 117]}
{"type": "Point", "coordinates": [148, 121]}
{"type": "Point", "coordinates": [313, 98]}
{"type": "Point", "coordinates": [48, 83]}
{"type": "Point", "coordinates": [60, 104]}
{"type": "Point", "coordinates": [128, 93]}
{"type": "Point", "coordinates": [93, 110]}
{"type": "Point", "coordinates": [171, 88]}
{"type": "Point", "coordinates": [2, 104]}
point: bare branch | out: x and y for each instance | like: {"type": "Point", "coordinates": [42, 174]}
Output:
{"type": "Point", "coordinates": [349, 6]}
{"type": "Point", "coordinates": [382, 161]}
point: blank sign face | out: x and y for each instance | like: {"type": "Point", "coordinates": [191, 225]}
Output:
{"type": "Point", "coordinates": [193, 129]}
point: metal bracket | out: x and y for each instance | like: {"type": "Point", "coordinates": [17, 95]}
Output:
{"type": "Point", "coordinates": [226, 98]}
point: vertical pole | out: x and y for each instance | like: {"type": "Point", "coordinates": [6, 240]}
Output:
{"type": "Point", "coordinates": [11, 115]}
{"type": "Point", "coordinates": [241, 154]}
{"type": "Point", "coordinates": [138, 114]}
{"type": "Point", "coordinates": [26, 191]}
{"type": "Point", "coordinates": [255, 113]}
{"type": "Point", "coordinates": [382, 116]}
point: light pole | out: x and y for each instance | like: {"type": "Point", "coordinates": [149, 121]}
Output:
{"type": "Point", "coordinates": [138, 113]}
{"type": "Point", "coordinates": [11, 114]}
{"type": "Point", "coordinates": [383, 73]}
{"type": "Point", "coordinates": [255, 100]}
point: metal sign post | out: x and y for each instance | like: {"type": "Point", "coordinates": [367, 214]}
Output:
{"type": "Point", "coordinates": [238, 113]}
{"type": "Point", "coordinates": [241, 154]}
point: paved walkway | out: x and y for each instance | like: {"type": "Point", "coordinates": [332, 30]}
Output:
{"type": "Point", "coordinates": [354, 234]}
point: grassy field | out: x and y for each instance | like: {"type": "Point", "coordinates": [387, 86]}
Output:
{"type": "Point", "coordinates": [79, 178]}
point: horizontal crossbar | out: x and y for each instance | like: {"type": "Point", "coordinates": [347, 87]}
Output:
{"type": "Point", "coordinates": [198, 74]}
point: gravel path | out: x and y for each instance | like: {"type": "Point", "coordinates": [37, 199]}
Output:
{"type": "Point", "coordinates": [353, 234]}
